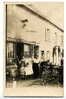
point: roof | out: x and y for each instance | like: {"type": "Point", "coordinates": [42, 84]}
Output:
{"type": "Point", "coordinates": [39, 15]}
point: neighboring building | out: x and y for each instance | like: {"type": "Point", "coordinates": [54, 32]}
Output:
{"type": "Point", "coordinates": [29, 33]}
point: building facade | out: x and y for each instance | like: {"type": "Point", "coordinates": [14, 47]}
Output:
{"type": "Point", "coordinates": [29, 34]}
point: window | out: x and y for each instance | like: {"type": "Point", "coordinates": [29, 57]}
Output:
{"type": "Point", "coordinates": [10, 50]}
{"type": "Point", "coordinates": [28, 50]}
{"type": "Point", "coordinates": [47, 34]}
{"type": "Point", "coordinates": [36, 51]}
{"type": "Point", "coordinates": [10, 53]}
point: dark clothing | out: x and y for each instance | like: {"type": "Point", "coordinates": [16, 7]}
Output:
{"type": "Point", "coordinates": [35, 70]}
{"type": "Point", "coordinates": [18, 68]}
{"type": "Point", "coordinates": [43, 65]}
{"type": "Point", "coordinates": [61, 74]}
{"type": "Point", "coordinates": [62, 62]}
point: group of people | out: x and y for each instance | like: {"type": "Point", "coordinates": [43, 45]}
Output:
{"type": "Point", "coordinates": [30, 66]}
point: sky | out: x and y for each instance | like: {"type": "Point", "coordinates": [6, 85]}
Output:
{"type": "Point", "coordinates": [54, 11]}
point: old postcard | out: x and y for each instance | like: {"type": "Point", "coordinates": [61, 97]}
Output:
{"type": "Point", "coordinates": [34, 49]}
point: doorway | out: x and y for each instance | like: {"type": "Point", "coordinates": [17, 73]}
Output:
{"type": "Point", "coordinates": [20, 50]}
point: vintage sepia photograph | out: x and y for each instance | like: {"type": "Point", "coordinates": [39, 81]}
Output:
{"type": "Point", "coordinates": [34, 49]}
